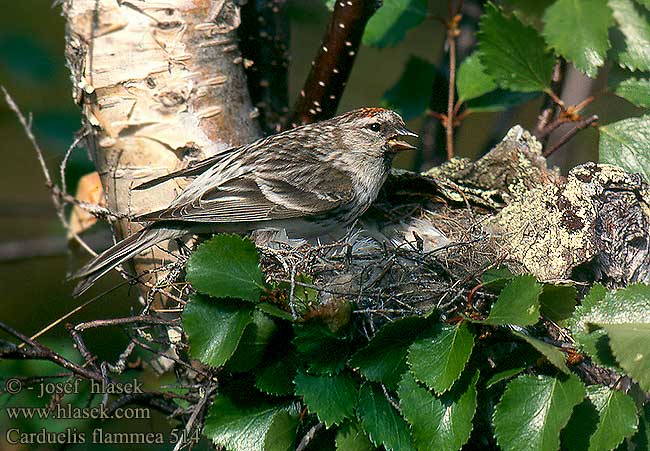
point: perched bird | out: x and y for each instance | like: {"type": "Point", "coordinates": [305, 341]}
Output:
{"type": "Point", "coordinates": [308, 181]}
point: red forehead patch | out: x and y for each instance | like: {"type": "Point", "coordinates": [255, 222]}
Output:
{"type": "Point", "coordinates": [369, 112]}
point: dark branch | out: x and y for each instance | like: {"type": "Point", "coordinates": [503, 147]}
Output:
{"type": "Point", "coordinates": [331, 68]}
{"type": "Point", "coordinates": [264, 35]}
{"type": "Point", "coordinates": [570, 134]}
{"type": "Point", "coordinates": [550, 106]}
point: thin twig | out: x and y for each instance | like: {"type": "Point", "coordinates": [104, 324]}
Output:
{"type": "Point", "coordinates": [453, 31]}
{"type": "Point", "coordinates": [309, 436]}
{"type": "Point", "coordinates": [570, 134]}
{"type": "Point", "coordinates": [549, 109]}
{"type": "Point", "coordinates": [149, 320]}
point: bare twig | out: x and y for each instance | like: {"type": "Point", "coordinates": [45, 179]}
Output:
{"type": "Point", "coordinates": [550, 107]}
{"type": "Point", "coordinates": [309, 436]}
{"type": "Point", "coordinates": [81, 346]}
{"type": "Point", "coordinates": [331, 68]}
{"type": "Point", "coordinates": [453, 31]}
{"type": "Point", "coordinates": [570, 134]}
{"type": "Point", "coordinates": [148, 320]}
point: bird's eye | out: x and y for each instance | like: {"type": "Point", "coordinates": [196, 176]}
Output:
{"type": "Point", "coordinates": [374, 127]}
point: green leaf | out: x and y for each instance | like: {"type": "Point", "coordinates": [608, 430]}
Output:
{"type": "Point", "coordinates": [331, 398]}
{"type": "Point", "coordinates": [624, 315]}
{"type": "Point", "coordinates": [503, 375]}
{"type": "Point", "coordinates": [439, 424]}
{"type": "Point", "coordinates": [625, 144]}
{"type": "Point", "coordinates": [518, 303]}
{"type": "Point", "coordinates": [498, 274]}
{"type": "Point", "coordinates": [594, 343]}
{"type": "Point", "coordinates": [634, 90]}
{"type": "Point", "coordinates": [578, 31]}
{"type": "Point", "coordinates": [499, 100]}
{"type": "Point", "coordinates": [602, 421]}
{"type": "Point", "coordinates": [552, 354]}
{"type": "Point", "coordinates": [438, 361]}
{"type": "Point", "coordinates": [264, 428]}
{"type": "Point", "coordinates": [512, 53]}
{"type": "Point", "coordinates": [388, 26]}
{"type": "Point", "coordinates": [533, 411]}
{"type": "Point", "coordinates": [226, 266]}
{"type": "Point", "coordinates": [617, 417]}
{"type": "Point", "coordinates": [630, 343]}
{"type": "Point", "coordinates": [635, 28]}
{"type": "Point", "coordinates": [322, 350]}
{"type": "Point", "coordinates": [472, 81]}
{"type": "Point", "coordinates": [257, 336]}
{"type": "Point", "coordinates": [381, 421]}
{"type": "Point", "coordinates": [641, 441]}
{"type": "Point", "coordinates": [214, 328]}
{"type": "Point", "coordinates": [351, 437]}
{"type": "Point", "coordinates": [405, 96]}
{"type": "Point", "coordinates": [277, 378]}
{"type": "Point", "coordinates": [274, 310]}
{"type": "Point", "coordinates": [557, 302]}
{"type": "Point", "coordinates": [384, 358]}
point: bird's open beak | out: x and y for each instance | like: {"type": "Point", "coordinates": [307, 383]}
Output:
{"type": "Point", "coordinates": [396, 144]}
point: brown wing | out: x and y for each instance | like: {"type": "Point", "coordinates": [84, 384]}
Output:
{"type": "Point", "coordinates": [265, 197]}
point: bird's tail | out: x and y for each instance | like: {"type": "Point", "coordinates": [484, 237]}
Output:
{"type": "Point", "coordinates": [122, 251]}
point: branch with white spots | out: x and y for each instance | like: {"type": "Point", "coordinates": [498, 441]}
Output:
{"type": "Point", "coordinates": [331, 68]}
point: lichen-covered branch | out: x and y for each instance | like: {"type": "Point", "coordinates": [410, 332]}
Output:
{"type": "Point", "coordinates": [331, 68]}
{"type": "Point", "coordinates": [160, 86]}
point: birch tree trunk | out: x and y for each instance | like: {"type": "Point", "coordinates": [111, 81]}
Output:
{"type": "Point", "coordinates": [160, 84]}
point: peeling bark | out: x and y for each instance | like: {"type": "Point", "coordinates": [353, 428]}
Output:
{"type": "Point", "coordinates": [161, 84]}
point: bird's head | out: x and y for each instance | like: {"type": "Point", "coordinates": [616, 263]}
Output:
{"type": "Point", "coordinates": [375, 131]}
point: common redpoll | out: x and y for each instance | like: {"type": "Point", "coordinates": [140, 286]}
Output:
{"type": "Point", "coordinates": [308, 181]}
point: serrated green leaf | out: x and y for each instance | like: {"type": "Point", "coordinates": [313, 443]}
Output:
{"type": "Point", "coordinates": [351, 437]}
{"type": "Point", "coordinates": [634, 26]}
{"type": "Point", "coordinates": [499, 100]}
{"type": "Point", "coordinates": [265, 428]}
{"type": "Point", "coordinates": [557, 302]}
{"type": "Point", "coordinates": [226, 266]}
{"type": "Point", "coordinates": [214, 328]}
{"type": "Point", "coordinates": [552, 354]}
{"type": "Point", "coordinates": [405, 96]}
{"type": "Point", "coordinates": [578, 31]}
{"type": "Point", "coordinates": [503, 375]}
{"type": "Point", "coordinates": [630, 343]}
{"type": "Point", "coordinates": [384, 358]}
{"type": "Point", "coordinates": [381, 421]}
{"type": "Point", "coordinates": [322, 350]}
{"type": "Point", "coordinates": [531, 8]}
{"type": "Point", "coordinates": [388, 26]}
{"type": "Point", "coordinates": [499, 274]}
{"type": "Point", "coordinates": [617, 417]}
{"type": "Point", "coordinates": [331, 398]}
{"type": "Point", "coordinates": [533, 411]}
{"type": "Point", "coordinates": [472, 81]}
{"type": "Point", "coordinates": [625, 144]}
{"type": "Point", "coordinates": [277, 378]}
{"type": "Point", "coordinates": [635, 91]}
{"type": "Point", "coordinates": [602, 421]}
{"type": "Point", "coordinates": [518, 303]}
{"type": "Point", "coordinates": [274, 310]}
{"type": "Point", "coordinates": [439, 360]}
{"type": "Point", "coordinates": [512, 53]}
{"type": "Point", "coordinates": [439, 424]}
{"type": "Point", "coordinates": [594, 343]}
{"type": "Point", "coordinates": [250, 350]}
